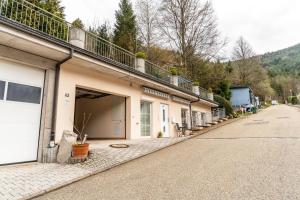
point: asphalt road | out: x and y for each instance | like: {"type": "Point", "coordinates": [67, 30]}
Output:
{"type": "Point", "coordinates": [254, 158]}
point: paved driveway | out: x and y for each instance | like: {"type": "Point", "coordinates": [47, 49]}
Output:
{"type": "Point", "coordinates": [254, 158]}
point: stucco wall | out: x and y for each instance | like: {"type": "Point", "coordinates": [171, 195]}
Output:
{"type": "Point", "coordinates": [74, 76]}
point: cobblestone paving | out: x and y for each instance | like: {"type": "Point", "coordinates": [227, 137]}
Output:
{"type": "Point", "coordinates": [29, 180]}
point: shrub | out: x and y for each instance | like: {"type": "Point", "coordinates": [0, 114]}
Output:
{"type": "Point", "coordinates": [160, 134]}
{"type": "Point", "coordinates": [77, 23]}
{"type": "Point", "coordinates": [293, 100]}
{"type": "Point", "coordinates": [140, 55]}
{"type": "Point", "coordinates": [174, 71]}
{"type": "Point", "coordinates": [223, 103]}
{"type": "Point", "coordinates": [196, 83]}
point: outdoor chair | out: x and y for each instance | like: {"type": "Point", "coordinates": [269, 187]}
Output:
{"type": "Point", "coordinates": [180, 130]}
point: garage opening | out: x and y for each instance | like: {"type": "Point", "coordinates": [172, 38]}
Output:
{"type": "Point", "coordinates": [108, 114]}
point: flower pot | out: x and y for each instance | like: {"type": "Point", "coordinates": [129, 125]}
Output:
{"type": "Point", "coordinates": [174, 80]}
{"type": "Point", "coordinates": [140, 64]}
{"type": "Point", "coordinates": [210, 96]}
{"type": "Point", "coordinates": [195, 89]}
{"type": "Point", "coordinates": [80, 150]}
{"type": "Point", "coordinates": [77, 37]}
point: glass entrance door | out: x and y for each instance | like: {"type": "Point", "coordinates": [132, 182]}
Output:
{"type": "Point", "coordinates": [145, 118]}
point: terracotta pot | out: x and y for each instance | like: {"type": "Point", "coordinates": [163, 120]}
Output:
{"type": "Point", "coordinates": [80, 150]}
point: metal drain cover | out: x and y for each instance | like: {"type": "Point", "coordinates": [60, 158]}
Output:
{"type": "Point", "coordinates": [119, 145]}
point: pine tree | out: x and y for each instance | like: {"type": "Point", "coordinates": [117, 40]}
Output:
{"type": "Point", "coordinates": [125, 31]}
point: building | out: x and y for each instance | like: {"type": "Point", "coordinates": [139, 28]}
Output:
{"type": "Point", "coordinates": [242, 96]}
{"type": "Point", "coordinates": [50, 77]}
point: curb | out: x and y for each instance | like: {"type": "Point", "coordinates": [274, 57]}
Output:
{"type": "Point", "coordinates": [89, 174]}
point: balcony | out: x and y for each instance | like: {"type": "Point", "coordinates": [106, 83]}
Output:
{"type": "Point", "coordinates": [36, 18]}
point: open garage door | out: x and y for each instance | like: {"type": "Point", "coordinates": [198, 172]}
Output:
{"type": "Point", "coordinates": [107, 111]}
{"type": "Point", "coordinates": [21, 89]}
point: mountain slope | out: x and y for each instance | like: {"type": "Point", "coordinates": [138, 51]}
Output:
{"type": "Point", "coordinates": [285, 61]}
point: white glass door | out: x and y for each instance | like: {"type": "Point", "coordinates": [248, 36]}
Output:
{"type": "Point", "coordinates": [145, 119]}
{"type": "Point", "coordinates": [164, 118]}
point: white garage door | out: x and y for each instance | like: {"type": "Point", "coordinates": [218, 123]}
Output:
{"type": "Point", "coordinates": [21, 89]}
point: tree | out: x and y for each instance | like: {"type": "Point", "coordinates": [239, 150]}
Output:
{"type": "Point", "coordinates": [146, 12]}
{"type": "Point", "coordinates": [125, 31]}
{"type": "Point", "coordinates": [102, 30]}
{"type": "Point", "coordinates": [190, 27]}
{"type": "Point", "coordinates": [52, 6]}
{"type": "Point", "coordinates": [248, 70]}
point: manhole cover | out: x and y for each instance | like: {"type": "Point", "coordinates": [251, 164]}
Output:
{"type": "Point", "coordinates": [119, 145]}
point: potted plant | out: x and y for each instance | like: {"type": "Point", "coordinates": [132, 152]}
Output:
{"type": "Point", "coordinates": [77, 33]}
{"type": "Point", "coordinates": [210, 94]}
{"type": "Point", "coordinates": [174, 77]}
{"type": "Point", "coordinates": [81, 149]}
{"type": "Point", "coordinates": [140, 61]}
{"type": "Point", "coordinates": [160, 134]}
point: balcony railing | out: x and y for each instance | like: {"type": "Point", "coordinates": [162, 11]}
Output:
{"type": "Point", "coordinates": [34, 17]}
{"type": "Point", "coordinates": [39, 19]}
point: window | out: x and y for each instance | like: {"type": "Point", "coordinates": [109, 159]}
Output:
{"type": "Point", "coordinates": [184, 117]}
{"type": "Point", "coordinates": [23, 93]}
{"type": "Point", "coordinates": [2, 89]}
{"type": "Point", "coordinates": [145, 118]}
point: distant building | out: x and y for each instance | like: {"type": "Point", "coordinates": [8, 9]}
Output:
{"type": "Point", "coordinates": [242, 96]}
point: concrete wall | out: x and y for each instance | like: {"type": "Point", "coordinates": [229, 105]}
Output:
{"type": "Point", "coordinates": [107, 116]}
{"type": "Point", "coordinates": [240, 96]}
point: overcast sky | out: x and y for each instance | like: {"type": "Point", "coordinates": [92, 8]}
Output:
{"type": "Point", "coordinates": [268, 25]}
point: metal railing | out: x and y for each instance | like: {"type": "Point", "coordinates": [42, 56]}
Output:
{"type": "Point", "coordinates": [39, 19]}
{"type": "Point", "coordinates": [218, 113]}
{"type": "Point", "coordinates": [104, 48]}
{"type": "Point", "coordinates": [34, 17]}
{"type": "Point", "coordinates": [185, 83]}
{"type": "Point", "coordinates": [157, 71]}
{"type": "Point", "coordinates": [203, 93]}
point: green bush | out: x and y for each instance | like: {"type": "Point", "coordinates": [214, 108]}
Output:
{"type": "Point", "coordinates": [77, 23]}
{"type": "Point", "coordinates": [174, 71]}
{"type": "Point", "coordinates": [140, 55]}
{"type": "Point", "coordinates": [196, 83]}
{"type": "Point", "coordinates": [293, 100]}
{"type": "Point", "coordinates": [223, 103]}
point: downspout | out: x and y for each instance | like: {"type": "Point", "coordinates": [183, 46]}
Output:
{"type": "Point", "coordinates": [190, 108]}
{"type": "Point", "coordinates": [55, 97]}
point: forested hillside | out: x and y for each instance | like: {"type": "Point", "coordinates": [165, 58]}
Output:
{"type": "Point", "coordinates": [283, 62]}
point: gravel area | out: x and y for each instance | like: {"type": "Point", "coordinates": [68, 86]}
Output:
{"type": "Point", "coordinates": [254, 158]}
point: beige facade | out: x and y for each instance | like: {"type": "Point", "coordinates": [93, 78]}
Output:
{"type": "Point", "coordinates": [87, 71]}
{"type": "Point", "coordinates": [72, 77]}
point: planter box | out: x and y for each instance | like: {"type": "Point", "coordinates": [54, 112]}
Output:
{"type": "Point", "coordinates": [196, 89]}
{"type": "Point", "coordinates": [210, 96]}
{"type": "Point", "coordinates": [140, 64]}
{"type": "Point", "coordinates": [174, 80]}
{"type": "Point", "coordinates": [77, 37]}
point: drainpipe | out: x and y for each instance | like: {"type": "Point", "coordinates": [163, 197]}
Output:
{"type": "Point", "coordinates": [55, 96]}
{"type": "Point", "coordinates": [190, 108]}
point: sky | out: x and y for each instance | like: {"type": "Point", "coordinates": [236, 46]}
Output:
{"type": "Point", "coordinates": [268, 25]}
